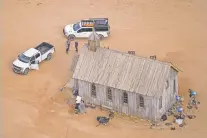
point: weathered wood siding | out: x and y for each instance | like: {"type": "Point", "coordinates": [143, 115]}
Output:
{"type": "Point", "coordinates": [169, 94]}
{"type": "Point", "coordinates": [132, 108]}
{"type": "Point", "coordinates": [150, 110]}
{"type": "Point", "coordinates": [153, 113]}
{"type": "Point", "coordinates": [75, 83]}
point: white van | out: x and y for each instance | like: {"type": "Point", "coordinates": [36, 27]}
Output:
{"type": "Point", "coordinates": [84, 28]}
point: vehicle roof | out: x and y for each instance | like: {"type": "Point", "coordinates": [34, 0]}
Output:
{"type": "Point", "coordinates": [30, 52]}
{"type": "Point", "coordinates": [94, 22]}
{"type": "Point", "coordinates": [97, 26]}
{"type": "Point", "coordinates": [96, 19]}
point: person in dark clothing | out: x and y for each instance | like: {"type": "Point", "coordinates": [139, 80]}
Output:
{"type": "Point", "coordinates": [77, 105]}
{"type": "Point", "coordinates": [67, 45]}
{"type": "Point", "coordinates": [77, 109]}
{"type": "Point", "coordinates": [75, 92]}
{"type": "Point", "coordinates": [192, 94]}
{"type": "Point", "coordinates": [76, 46]}
{"type": "Point", "coordinates": [102, 120]}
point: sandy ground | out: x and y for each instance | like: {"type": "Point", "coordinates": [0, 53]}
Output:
{"type": "Point", "coordinates": [174, 30]}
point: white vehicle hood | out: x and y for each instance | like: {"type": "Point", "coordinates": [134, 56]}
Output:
{"type": "Point", "coordinates": [68, 28]}
{"type": "Point", "coordinates": [21, 64]}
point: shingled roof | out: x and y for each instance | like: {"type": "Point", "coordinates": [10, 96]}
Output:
{"type": "Point", "coordinates": [122, 71]}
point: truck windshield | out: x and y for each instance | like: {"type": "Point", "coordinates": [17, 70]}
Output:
{"type": "Point", "coordinates": [24, 58]}
{"type": "Point", "coordinates": [76, 26]}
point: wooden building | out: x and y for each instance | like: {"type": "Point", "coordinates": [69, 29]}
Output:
{"type": "Point", "coordinates": [125, 83]}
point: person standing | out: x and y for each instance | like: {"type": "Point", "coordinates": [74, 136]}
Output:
{"type": "Point", "coordinates": [67, 45]}
{"type": "Point", "coordinates": [77, 104]}
{"type": "Point", "coordinates": [76, 46]}
{"type": "Point", "coordinates": [82, 107]}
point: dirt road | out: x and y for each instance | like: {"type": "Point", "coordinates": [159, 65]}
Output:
{"type": "Point", "coordinates": [174, 30]}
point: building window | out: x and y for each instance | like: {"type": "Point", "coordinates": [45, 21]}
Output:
{"type": "Point", "coordinates": [167, 85]}
{"type": "Point", "coordinates": [125, 99]}
{"type": "Point", "coordinates": [93, 90]}
{"type": "Point", "coordinates": [160, 102]}
{"type": "Point", "coordinates": [109, 94]}
{"type": "Point", "coordinates": [141, 101]}
{"type": "Point", "coordinates": [174, 86]}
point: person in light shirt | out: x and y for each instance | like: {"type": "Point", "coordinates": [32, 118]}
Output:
{"type": "Point", "coordinates": [77, 104]}
{"type": "Point", "coordinates": [78, 100]}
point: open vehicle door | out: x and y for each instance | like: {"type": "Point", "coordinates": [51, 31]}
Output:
{"type": "Point", "coordinates": [34, 65]}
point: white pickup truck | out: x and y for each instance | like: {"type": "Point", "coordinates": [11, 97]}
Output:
{"type": "Point", "coordinates": [84, 28]}
{"type": "Point", "coordinates": [32, 57]}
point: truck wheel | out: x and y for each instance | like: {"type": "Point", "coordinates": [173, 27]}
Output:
{"type": "Point", "coordinates": [49, 56]}
{"type": "Point", "coordinates": [101, 36]}
{"type": "Point", "coordinates": [71, 37]}
{"type": "Point", "coordinates": [26, 71]}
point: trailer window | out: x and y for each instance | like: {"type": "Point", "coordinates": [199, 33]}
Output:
{"type": "Point", "coordinates": [141, 101]}
{"type": "Point", "coordinates": [125, 98]}
{"type": "Point", "coordinates": [93, 90]}
{"type": "Point", "coordinates": [109, 94]}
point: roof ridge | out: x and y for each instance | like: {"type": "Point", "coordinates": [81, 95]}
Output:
{"type": "Point", "coordinates": [142, 57]}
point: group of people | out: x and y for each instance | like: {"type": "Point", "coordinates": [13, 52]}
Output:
{"type": "Point", "coordinates": [193, 102]}
{"type": "Point", "coordinates": [179, 113]}
{"type": "Point", "coordinates": [177, 109]}
{"type": "Point", "coordinates": [68, 44]}
{"type": "Point", "coordinates": [80, 108]}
